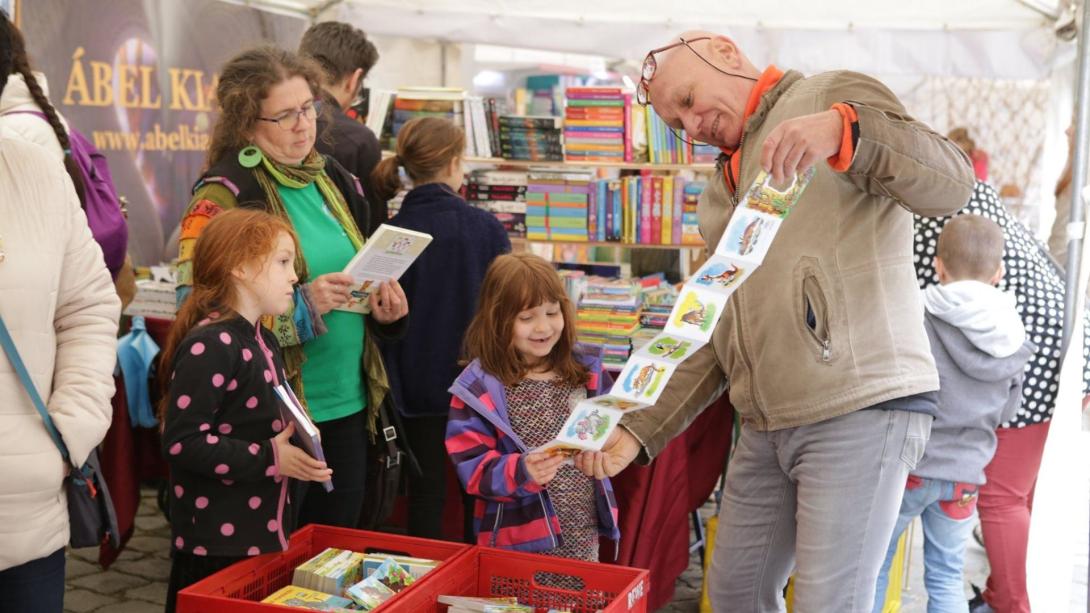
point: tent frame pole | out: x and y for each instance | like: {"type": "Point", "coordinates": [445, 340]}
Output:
{"type": "Point", "coordinates": [1078, 180]}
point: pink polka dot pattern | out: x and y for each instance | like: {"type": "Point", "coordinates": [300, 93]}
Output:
{"type": "Point", "coordinates": [268, 376]}
{"type": "Point", "coordinates": [217, 380]}
{"type": "Point", "coordinates": [204, 427]}
{"type": "Point", "coordinates": [270, 471]}
{"type": "Point", "coordinates": [272, 525]}
{"type": "Point", "coordinates": [201, 502]}
{"type": "Point", "coordinates": [197, 348]}
{"type": "Point", "coordinates": [179, 491]}
{"type": "Point", "coordinates": [179, 543]}
{"type": "Point", "coordinates": [227, 529]}
{"type": "Point", "coordinates": [247, 355]}
{"type": "Point", "coordinates": [212, 439]}
{"type": "Point", "coordinates": [183, 402]}
{"type": "Point", "coordinates": [175, 449]}
{"type": "Point", "coordinates": [225, 338]}
{"type": "Point", "coordinates": [254, 448]}
{"type": "Point", "coordinates": [224, 428]}
{"type": "Point", "coordinates": [221, 469]}
{"type": "Point", "coordinates": [227, 482]}
{"type": "Point", "coordinates": [277, 425]}
{"type": "Point", "coordinates": [253, 551]}
{"type": "Point", "coordinates": [255, 502]}
{"type": "Point", "coordinates": [251, 403]}
{"type": "Point", "coordinates": [233, 385]}
{"type": "Point", "coordinates": [200, 551]}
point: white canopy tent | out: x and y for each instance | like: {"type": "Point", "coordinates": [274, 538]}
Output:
{"type": "Point", "coordinates": [1026, 42]}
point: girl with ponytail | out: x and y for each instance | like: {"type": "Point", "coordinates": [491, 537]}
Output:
{"type": "Point", "coordinates": [225, 436]}
{"type": "Point", "coordinates": [443, 283]}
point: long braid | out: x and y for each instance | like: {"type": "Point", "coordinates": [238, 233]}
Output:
{"type": "Point", "coordinates": [21, 65]}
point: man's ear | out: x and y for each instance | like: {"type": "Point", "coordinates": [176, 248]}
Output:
{"type": "Point", "coordinates": [726, 51]}
{"type": "Point", "coordinates": [353, 83]}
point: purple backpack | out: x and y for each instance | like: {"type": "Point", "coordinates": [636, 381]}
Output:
{"type": "Point", "coordinates": [101, 204]}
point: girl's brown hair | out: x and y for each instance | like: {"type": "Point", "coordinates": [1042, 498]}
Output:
{"type": "Point", "coordinates": [245, 81]}
{"type": "Point", "coordinates": [232, 239]}
{"type": "Point", "coordinates": [516, 282]}
{"type": "Point", "coordinates": [425, 146]}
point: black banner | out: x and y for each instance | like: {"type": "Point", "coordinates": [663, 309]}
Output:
{"type": "Point", "coordinates": [137, 77]}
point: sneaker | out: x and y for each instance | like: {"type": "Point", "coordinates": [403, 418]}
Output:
{"type": "Point", "coordinates": [977, 603]}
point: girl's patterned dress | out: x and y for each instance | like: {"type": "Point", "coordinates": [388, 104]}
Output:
{"type": "Point", "coordinates": [537, 410]}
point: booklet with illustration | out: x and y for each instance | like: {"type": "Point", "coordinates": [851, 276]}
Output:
{"type": "Point", "coordinates": [385, 256]}
{"type": "Point", "coordinates": [306, 433]}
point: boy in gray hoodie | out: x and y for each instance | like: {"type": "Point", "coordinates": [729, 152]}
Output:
{"type": "Point", "coordinates": [980, 350]}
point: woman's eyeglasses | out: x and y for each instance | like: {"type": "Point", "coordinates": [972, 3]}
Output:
{"type": "Point", "coordinates": [289, 120]}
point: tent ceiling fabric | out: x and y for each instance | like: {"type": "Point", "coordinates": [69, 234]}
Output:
{"type": "Point", "coordinates": [990, 38]}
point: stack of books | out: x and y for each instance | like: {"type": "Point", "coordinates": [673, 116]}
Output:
{"type": "Point", "coordinates": [662, 146]}
{"type": "Point", "coordinates": [303, 598]}
{"type": "Point", "coordinates": [412, 102]}
{"type": "Point", "coordinates": [331, 571]}
{"type": "Point", "coordinates": [473, 604]}
{"type": "Point", "coordinates": [502, 193]}
{"type": "Point", "coordinates": [536, 138]}
{"type": "Point", "coordinates": [657, 298]}
{"type": "Point", "coordinates": [608, 315]}
{"type": "Point", "coordinates": [646, 209]}
{"type": "Point", "coordinates": [690, 226]}
{"type": "Point", "coordinates": [556, 205]}
{"type": "Point", "coordinates": [704, 153]}
{"type": "Point", "coordinates": [594, 125]}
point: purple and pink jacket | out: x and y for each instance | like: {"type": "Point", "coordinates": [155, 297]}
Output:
{"type": "Point", "coordinates": [512, 511]}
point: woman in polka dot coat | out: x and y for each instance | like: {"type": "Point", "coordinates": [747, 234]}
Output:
{"type": "Point", "coordinates": [225, 434]}
{"type": "Point", "coordinates": [1005, 500]}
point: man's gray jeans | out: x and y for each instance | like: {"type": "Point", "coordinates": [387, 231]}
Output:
{"type": "Point", "coordinates": [818, 501]}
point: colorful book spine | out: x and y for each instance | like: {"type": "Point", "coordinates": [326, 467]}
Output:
{"type": "Point", "coordinates": [675, 223]}
{"type": "Point", "coordinates": [656, 210]}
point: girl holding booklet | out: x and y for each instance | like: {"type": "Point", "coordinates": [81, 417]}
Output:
{"type": "Point", "coordinates": [225, 430]}
{"type": "Point", "coordinates": [526, 377]}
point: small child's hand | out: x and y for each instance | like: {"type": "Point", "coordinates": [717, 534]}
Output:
{"type": "Point", "coordinates": [542, 467]}
{"type": "Point", "coordinates": [296, 463]}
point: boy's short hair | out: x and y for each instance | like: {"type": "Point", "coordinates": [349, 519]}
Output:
{"type": "Point", "coordinates": [971, 247]}
{"type": "Point", "coordinates": [339, 48]}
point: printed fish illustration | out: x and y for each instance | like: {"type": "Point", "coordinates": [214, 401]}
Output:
{"type": "Point", "coordinates": [750, 236]}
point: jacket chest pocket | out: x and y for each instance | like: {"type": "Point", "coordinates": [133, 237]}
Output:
{"type": "Point", "coordinates": [813, 310]}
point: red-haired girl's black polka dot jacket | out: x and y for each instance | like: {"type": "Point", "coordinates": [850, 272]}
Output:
{"type": "Point", "coordinates": [227, 497]}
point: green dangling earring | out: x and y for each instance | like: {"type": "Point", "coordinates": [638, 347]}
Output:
{"type": "Point", "coordinates": [249, 157]}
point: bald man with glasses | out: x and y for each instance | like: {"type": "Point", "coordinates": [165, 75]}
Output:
{"type": "Point", "coordinates": [823, 347]}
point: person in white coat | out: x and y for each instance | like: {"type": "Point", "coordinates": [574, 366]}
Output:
{"type": "Point", "coordinates": [58, 302]}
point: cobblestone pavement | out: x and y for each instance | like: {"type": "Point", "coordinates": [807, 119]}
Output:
{"type": "Point", "coordinates": [137, 581]}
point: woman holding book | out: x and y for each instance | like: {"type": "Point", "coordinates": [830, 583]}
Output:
{"type": "Point", "coordinates": [444, 282]}
{"type": "Point", "coordinates": [262, 156]}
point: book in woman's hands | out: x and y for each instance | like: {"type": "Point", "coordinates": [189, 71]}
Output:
{"type": "Point", "coordinates": [385, 256]}
{"type": "Point", "coordinates": [306, 433]}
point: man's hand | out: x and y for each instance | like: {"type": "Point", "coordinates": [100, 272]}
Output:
{"type": "Point", "coordinates": [618, 452]}
{"type": "Point", "coordinates": [389, 303]}
{"type": "Point", "coordinates": [542, 467]}
{"type": "Point", "coordinates": [330, 291]}
{"type": "Point", "coordinates": [797, 144]}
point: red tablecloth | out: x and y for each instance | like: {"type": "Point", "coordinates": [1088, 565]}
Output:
{"type": "Point", "coordinates": [655, 502]}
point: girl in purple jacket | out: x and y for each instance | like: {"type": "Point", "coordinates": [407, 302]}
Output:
{"type": "Point", "coordinates": [525, 378]}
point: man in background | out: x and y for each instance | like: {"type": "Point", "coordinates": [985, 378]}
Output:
{"type": "Point", "coordinates": [346, 56]}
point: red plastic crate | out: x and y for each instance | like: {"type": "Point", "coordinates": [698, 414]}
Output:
{"type": "Point", "coordinates": [241, 587]}
{"type": "Point", "coordinates": [485, 571]}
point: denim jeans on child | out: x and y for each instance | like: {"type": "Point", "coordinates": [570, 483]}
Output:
{"type": "Point", "coordinates": [947, 511]}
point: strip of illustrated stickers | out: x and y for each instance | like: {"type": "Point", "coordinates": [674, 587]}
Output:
{"type": "Point", "coordinates": [700, 304]}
